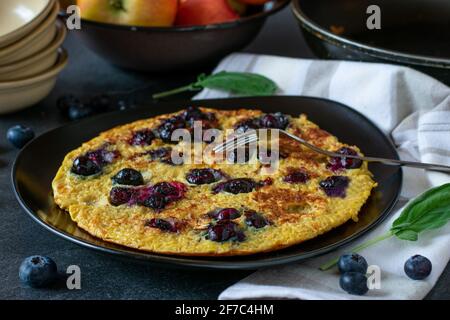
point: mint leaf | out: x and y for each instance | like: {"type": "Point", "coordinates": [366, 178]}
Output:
{"type": "Point", "coordinates": [431, 210]}
{"type": "Point", "coordinates": [407, 235]}
{"type": "Point", "coordinates": [242, 83]}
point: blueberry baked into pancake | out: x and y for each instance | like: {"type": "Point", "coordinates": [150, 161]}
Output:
{"type": "Point", "coordinates": [124, 187]}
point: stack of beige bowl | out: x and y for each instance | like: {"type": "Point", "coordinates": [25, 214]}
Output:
{"type": "Point", "coordinates": [30, 54]}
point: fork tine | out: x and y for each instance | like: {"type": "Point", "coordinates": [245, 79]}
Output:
{"type": "Point", "coordinates": [241, 142]}
{"type": "Point", "coordinates": [220, 147]}
{"type": "Point", "coordinates": [236, 141]}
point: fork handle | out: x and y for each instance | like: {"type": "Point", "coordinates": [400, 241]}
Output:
{"type": "Point", "coordinates": [420, 165]}
{"type": "Point", "coordinates": [389, 162]}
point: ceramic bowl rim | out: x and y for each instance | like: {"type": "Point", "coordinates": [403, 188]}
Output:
{"type": "Point", "coordinates": [53, 71]}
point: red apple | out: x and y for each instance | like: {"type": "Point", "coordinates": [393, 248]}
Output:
{"type": "Point", "coordinates": [203, 12]}
{"type": "Point", "coordinates": [148, 13]}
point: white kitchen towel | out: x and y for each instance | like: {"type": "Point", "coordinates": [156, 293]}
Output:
{"type": "Point", "coordinates": [411, 107]}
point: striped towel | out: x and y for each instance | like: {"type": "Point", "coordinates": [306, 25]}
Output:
{"type": "Point", "coordinates": [414, 109]}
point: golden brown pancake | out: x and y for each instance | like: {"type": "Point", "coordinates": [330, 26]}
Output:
{"type": "Point", "coordinates": [216, 209]}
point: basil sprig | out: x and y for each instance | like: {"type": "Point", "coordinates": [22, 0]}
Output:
{"type": "Point", "coordinates": [241, 83]}
{"type": "Point", "coordinates": [430, 210]}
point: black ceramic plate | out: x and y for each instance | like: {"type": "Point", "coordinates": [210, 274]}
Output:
{"type": "Point", "coordinates": [38, 162]}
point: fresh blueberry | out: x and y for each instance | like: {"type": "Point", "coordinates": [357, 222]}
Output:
{"type": "Point", "coordinates": [166, 129]}
{"type": "Point", "coordinates": [246, 124]}
{"type": "Point", "coordinates": [203, 176]}
{"type": "Point", "coordinates": [354, 283]}
{"type": "Point", "coordinates": [129, 177]}
{"type": "Point", "coordinates": [235, 186]}
{"type": "Point", "coordinates": [163, 193]}
{"type": "Point", "coordinates": [162, 225]}
{"type": "Point", "coordinates": [255, 220]}
{"type": "Point", "coordinates": [296, 177]}
{"type": "Point", "coordinates": [335, 186]}
{"type": "Point", "coordinates": [274, 121]}
{"type": "Point", "coordinates": [81, 111]}
{"type": "Point", "coordinates": [223, 231]}
{"type": "Point", "coordinates": [102, 156]}
{"type": "Point", "coordinates": [225, 214]}
{"type": "Point", "coordinates": [165, 188]}
{"type": "Point", "coordinates": [38, 271]}
{"type": "Point", "coordinates": [352, 262]}
{"type": "Point", "coordinates": [338, 163]}
{"type": "Point", "coordinates": [418, 267]}
{"type": "Point", "coordinates": [156, 201]}
{"type": "Point", "coordinates": [84, 166]}
{"type": "Point", "coordinates": [65, 102]}
{"type": "Point", "coordinates": [142, 138]}
{"type": "Point", "coordinates": [19, 136]}
{"type": "Point", "coordinates": [120, 195]}
{"type": "Point", "coordinates": [193, 114]}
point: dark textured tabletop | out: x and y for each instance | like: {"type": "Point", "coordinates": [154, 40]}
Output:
{"type": "Point", "coordinates": [104, 277]}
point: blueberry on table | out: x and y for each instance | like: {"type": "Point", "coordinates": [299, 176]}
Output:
{"type": "Point", "coordinates": [354, 283]}
{"type": "Point", "coordinates": [418, 267]}
{"type": "Point", "coordinates": [38, 271]}
{"type": "Point", "coordinates": [19, 136]}
{"type": "Point", "coordinates": [65, 102]}
{"type": "Point", "coordinates": [80, 111]}
{"type": "Point", "coordinates": [128, 177]}
{"type": "Point", "coordinates": [352, 262]}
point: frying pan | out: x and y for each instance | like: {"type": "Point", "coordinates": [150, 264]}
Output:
{"type": "Point", "coordinates": [414, 33]}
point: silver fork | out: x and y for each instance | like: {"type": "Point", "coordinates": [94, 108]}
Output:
{"type": "Point", "coordinates": [251, 136]}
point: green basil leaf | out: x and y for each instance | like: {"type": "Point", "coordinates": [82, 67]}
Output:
{"type": "Point", "coordinates": [431, 210]}
{"type": "Point", "coordinates": [407, 235]}
{"type": "Point", "coordinates": [241, 83]}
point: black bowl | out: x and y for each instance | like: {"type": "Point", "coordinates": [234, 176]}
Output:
{"type": "Point", "coordinates": [162, 49]}
{"type": "Point", "coordinates": [414, 33]}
